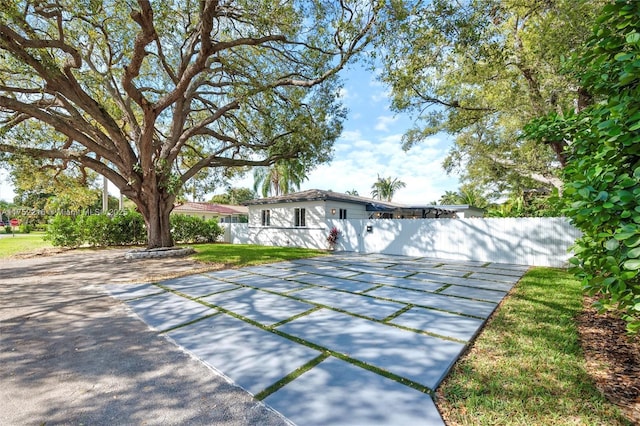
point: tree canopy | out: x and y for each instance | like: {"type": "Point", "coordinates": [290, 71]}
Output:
{"type": "Point", "coordinates": [150, 93]}
{"type": "Point", "coordinates": [480, 70]}
{"type": "Point", "coordinates": [603, 171]}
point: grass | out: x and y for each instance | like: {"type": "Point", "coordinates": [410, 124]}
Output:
{"type": "Point", "coordinates": [21, 243]}
{"type": "Point", "coordinates": [237, 255]}
{"type": "Point", "coordinates": [527, 367]}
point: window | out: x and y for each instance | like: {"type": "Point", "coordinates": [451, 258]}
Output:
{"type": "Point", "coordinates": [343, 213]}
{"type": "Point", "coordinates": [266, 217]}
{"type": "Point", "coordinates": [300, 219]}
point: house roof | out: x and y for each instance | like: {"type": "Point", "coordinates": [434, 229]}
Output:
{"type": "Point", "coordinates": [370, 203]}
{"type": "Point", "coordinates": [223, 210]}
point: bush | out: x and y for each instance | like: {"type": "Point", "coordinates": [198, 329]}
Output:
{"type": "Point", "coordinates": [603, 174]}
{"type": "Point", "coordinates": [64, 232]}
{"type": "Point", "coordinates": [192, 229]}
{"type": "Point", "coordinates": [24, 228]}
{"type": "Point", "coordinates": [101, 230]}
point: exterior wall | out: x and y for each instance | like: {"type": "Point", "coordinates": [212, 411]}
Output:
{"type": "Point", "coordinates": [354, 211]}
{"type": "Point", "coordinates": [235, 233]}
{"type": "Point", "coordinates": [522, 241]}
{"type": "Point", "coordinates": [282, 215]}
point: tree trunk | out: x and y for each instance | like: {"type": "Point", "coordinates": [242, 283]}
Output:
{"type": "Point", "coordinates": [155, 205]}
{"type": "Point", "coordinates": [158, 227]}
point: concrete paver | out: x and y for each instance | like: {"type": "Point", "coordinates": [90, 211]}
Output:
{"type": "Point", "coordinates": [353, 303]}
{"type": "Point", "coordinates": [438, 301]}
{"type": "Point", "coordinates": [198, 285]}
{"type": "Point", "coordinates": [167, 310]}
{"type": "Point", "coordinates": [438, 322]}
{"type": "Point", "coordinates": [261, 307]}
{"type": "Point", "coordinates": [380, 321]}
{"type": "Point", "coordinates": [474, 293]}
{"type": "Point", "coordinates": [337, 283]}
{"type": "Point", "coordinates": [338, 393]}
{"type": "Point", "coordinates": [253, 358]}
{"type": "Point", "coordinates": [417, 357]}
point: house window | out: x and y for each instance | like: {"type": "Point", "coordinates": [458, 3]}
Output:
{"type": "Point", "coordinates": [266, 217]}
{"type": "Point", "coordinates": [343, 213]}
{"type": "Point", "coordinates": [299, 217]}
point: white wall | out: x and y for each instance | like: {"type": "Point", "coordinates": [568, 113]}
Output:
{"type": "Point", "coordinates": [522, 241]}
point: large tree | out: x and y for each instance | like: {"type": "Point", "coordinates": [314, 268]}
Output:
{"type": "Point", "coordinates": [479, 70]}
{"type": "Point", "coordinates": [150, 93]}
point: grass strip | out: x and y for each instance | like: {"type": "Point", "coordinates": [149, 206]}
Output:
{"type": "Point", "coordinates": [238, 255]}
{"type": "Point", "coordinates": [527, 366]}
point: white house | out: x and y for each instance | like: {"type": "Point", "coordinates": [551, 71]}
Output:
{"type": "Point", "coordinates": [301, 218]}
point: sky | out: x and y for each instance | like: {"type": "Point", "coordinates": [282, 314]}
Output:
{"type": "Point", "coordinates": [370, 145]}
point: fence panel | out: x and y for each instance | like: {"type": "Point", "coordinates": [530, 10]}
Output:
{"type": "Point", "coordinates": [523, 241]}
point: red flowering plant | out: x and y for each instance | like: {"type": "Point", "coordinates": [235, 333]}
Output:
{"type": "Point", "coordinates": [332, 238]}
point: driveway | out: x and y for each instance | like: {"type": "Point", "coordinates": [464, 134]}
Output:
{"type": "Point", "coordinates": [343, 339]}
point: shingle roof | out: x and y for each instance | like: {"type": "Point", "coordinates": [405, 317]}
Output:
{"type": "Point", "coordinates": [210, 208]}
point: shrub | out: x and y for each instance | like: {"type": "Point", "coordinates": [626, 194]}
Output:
{"type": "Point", "coordinates": [63, 232]}
{"type": "Point", "coordinates": [192, 229]}
{"type": "Point", "coordinates": [603, 174]}
{"type": "Point", "coordinates": [24, 228]}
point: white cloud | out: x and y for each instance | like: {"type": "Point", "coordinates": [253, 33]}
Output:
{"type": "Point", "coordinates": [384, 121]}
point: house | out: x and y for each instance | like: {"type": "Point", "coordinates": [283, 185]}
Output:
{"type": "Point", "coordinates": [304, 218]}
{"type": "Point", "coordinates": [206, 211]}
{"type": "Point", "coordinates": [310, 209]}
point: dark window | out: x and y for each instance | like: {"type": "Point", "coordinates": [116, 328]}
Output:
{"type": "Point", "coordinates": [343, 213]}
{"type": "Point", "coordinates": [300, 219]}
{"type": "Point", "coordinates": [266, 217]}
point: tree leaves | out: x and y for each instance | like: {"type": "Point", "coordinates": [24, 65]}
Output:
{"type": "Point", "coordinates": [602, 175]}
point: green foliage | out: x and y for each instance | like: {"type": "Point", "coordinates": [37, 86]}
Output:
{"type": "Point", "coordinates": [234, 196]}
{"type": "Point", "coordinates": [479, 70]}
{"type": "Point", "coordinates": [64, 232]}
{"type": "Point", "coordinates": [99, 230]}
{"type": "Point", "coordinates": [24, 228]}
{"type": "Point", "coordinates": [192, 229]}
{"type": "Point", "coordinates": [385, 188]}
{"type": "Point", "coordinates": [603, 174]}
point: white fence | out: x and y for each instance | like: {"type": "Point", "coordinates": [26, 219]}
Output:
{"type": "Point", "coordinates": [522, 241]}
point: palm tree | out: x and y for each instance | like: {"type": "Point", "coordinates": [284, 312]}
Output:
{"type": "Point", "coordinates": [450, 197]}
{"type": "Point", "coordinates": [352, 192]}
{"type": "Point", "coordinates": [281, 178]}
{"type": "Point", "coordinates": [385, 188]}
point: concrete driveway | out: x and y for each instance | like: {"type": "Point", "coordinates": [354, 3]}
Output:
{"type": "Point", "coordinates": [343, 339]}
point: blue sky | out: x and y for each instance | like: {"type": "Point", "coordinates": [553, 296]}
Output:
{"type": "Point", "coordinates": [370, 145]}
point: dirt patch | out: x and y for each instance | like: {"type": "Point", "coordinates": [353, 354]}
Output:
{"type": "Point", "coordinates": [612, 358]}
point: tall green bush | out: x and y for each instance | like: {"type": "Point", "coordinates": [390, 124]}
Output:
{"type": "Point", "coordinates": [603, 174]}
{"type": "Point", "coordinates": [192, 229]}
{"type": "Point", "coordinates": [64, 232]}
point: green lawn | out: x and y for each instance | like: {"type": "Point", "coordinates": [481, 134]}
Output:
{"type": "Point", "coordinates": [21, 243]}
{"type": "Point", "coordinates": [527, 367]}
{"type": "Point", "coordinates": [237, 255]}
